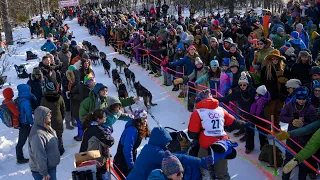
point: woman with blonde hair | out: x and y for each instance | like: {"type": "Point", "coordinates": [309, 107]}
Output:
{"type": "Point", "coordinates": [272, 76]}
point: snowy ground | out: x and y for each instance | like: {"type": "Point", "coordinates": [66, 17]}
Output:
{"type": "Point", "coordinates": [170, 112]}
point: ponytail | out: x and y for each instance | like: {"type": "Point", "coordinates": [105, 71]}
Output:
{"type": "Point", "coordinates": [93, 117]}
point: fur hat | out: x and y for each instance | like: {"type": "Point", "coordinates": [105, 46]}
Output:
{"type": "Point", "coordinates": [170, 164]}
{"type": "Point", "coordinates": [293, 83]}
{"type": "Point", "coordinates": [304, 53]}
{"type": "Point", "coordinates": [262, 90]}
{"type": "Point", "coordinates": [203, 95]}
{"type": "Point", "coordinates": [243, 78]}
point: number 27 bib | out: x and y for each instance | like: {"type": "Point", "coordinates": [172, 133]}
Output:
{"type": "Point", "coordinates": [212, 121]}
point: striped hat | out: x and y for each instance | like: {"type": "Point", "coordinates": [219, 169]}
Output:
{"type": "Point", "coordinates": [171, 164]}
{"type": "Point", "coordinates": [88, 79]}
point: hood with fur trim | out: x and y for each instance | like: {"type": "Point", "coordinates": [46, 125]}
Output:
{"type": "Point", "coordinates": [304, 53]}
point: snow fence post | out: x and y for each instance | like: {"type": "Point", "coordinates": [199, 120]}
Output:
{"type": "Point", "coordinates": [274, 145]}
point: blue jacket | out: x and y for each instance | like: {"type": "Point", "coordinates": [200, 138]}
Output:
{"type": "Point", "coordinates": [49, 46]}
{"type": "Point", "coordinates": [157, 174]}
{"type": "Point", "coordinates": [133, 23]}
{"type": "Point", "coordinates": [24, 103]}
{"type": "Point", "coordinates": [184, 61]}
{"type": "Point", "coordinates": [297, 41]}
{"type": "Point", "coordinates": [36, 89]}
{"type": "Point", "coordinates": [304, 37]}
{"type": "Point", "coordinates": [128, 139]}
{"type": "Point", "coordinates": [151, 155]}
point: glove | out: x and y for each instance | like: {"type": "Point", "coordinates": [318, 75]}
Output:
{"type": "Point", "coordinates": [177, 81]}
{"type": "Point", "coordinates": [136, 99]}
{"type": "Point", "coordinates": [207, 162]}
{"type": "Point", "coordinates": [290, 165]}
{"type": "Point", "coordinates": [283, 135]}
{"type": "Point", "coordinates": [282, 80]}
{"type": "Point", "coordinates": [297, 123]}
{"type": "Point", "coordinates": [249, 124]}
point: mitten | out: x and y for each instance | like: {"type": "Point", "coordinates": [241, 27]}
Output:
{"type": "Point", "coordinates": [283, 135]}
{"type": "Point", "coordinates": [297, 123]}
{"type": "Point", "coordinates": [290, 165]}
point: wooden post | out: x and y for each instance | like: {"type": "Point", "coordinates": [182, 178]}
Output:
{"type": "Point", "coordinates": [216, 88]}
{"type": "Point", "coordinates": [274, 145]}
{"type": "Point", "coordinates": [109, 165]}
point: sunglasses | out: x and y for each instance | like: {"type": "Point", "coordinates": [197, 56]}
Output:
{"type": "Point", "coordinates": [242, 85]}
{"type": "Point", "coordinates": [274, 58]}
{"type": "Point", "coordinates": [260, 44]}
{"type": "Point", "coordinates": [316, 90]}
{"type": "Point", "coordinates": [179, 174]}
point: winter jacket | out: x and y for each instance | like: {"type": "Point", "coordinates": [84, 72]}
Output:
{"type": "Point", "coordinates": [65, 58]}
{"type": "Point", "coordinates": [316, 48]}
{"type": "Point", "coordinates": [273, 84]}
{"type": "Point", "coordinates": [261, 54]}
{"type": "Point", "coordinates": [226, 79]}
{"type": "Point", "coordinates": [195, 126]}
{"type": "Point", "coordinates": [88, 105]}
{"type": "Point", "coordinates": [213, 82]}
{"type": "Point", "coordinates": [8, 101]}
{"type": "Point", "coordinates": [48, 46]}
{"type": "Point", "coordinates": [24, 102]}
{"type": "Point", "coordinates": [213, 53]}
{"type": "Point", "coordinates": [301, 71]}
{"type": "Point", "coordinates": [257, 106]}
{"type": "Point", "coordinates": [278, 41]}
{"type": "Point", "coordinates": [128, 145]}
{"type": "Point", "coordinates": [42, 144]}
{"type": "Point", "coordinates": [78, 92]}
{"type": "Point", "coordinates": [163, 33]}
{"type": "Point", "coordinates": [195, 75]}
{"type": "Point", "coordinates": [187, 61]}
{"type": "Point", "coordinates": [310, 149]}
{"type": "Point", "coordinates": [314, 13]}
{"type": "Point", "coordinates": [297, 42]}
{"type": "Point", "coordinates": [304, 37]}
{"type": "Point", "coordinates": [75, 60]}
{"type": "Point", "coordinates": [96, 138]}
{"type": "Point", "coordinates": [308, 113]}
{"type": "Point", "coordinates": [305, 130]}
{"type": "Point", "coordinates": [241, 41]}
{"type": "Point", "coordinates": [157, 174]}
{"type": "Point", "coordinates": [164, 62]}
{"type": "Point", "coordinates": [36, 89]}
{"type": "Point", "coordinates": [155, 148]}
{"type": "Point", "coordinates": [112, 116]}
{"type": "Point", "coordinates": [55, 103]}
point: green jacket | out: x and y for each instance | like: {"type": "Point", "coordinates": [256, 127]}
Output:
{"type": "Point", "coordinates": [278, 41]}
{"type": "Point", "coordinates": [88, 104]}
{"type": "Point", "coordinates": [55, 103]}
{"type": "Point", "coordinates": [46, 30]}
{"type": "Point", "coordinates": [112, 116]}
{"type": "Point", "coordinates": [310, 149]}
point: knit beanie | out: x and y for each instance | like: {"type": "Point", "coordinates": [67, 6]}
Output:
{"type": "Point", "coordinates": [85, 56]}
{"type": "Point", "coordinates": [314, 35]}
{"type": "Point", "coordinates": [65, 46]}
{"type": "Point", "coordinates": [315, 70]}
{"type": "Point", "coordinates": [89, 78]}
{"type": "Point", "coordinates": [262, 90]}
{"type": "Point", "coordinates": [213, 39]}
{"type": "Point", "coordinates": [280, 30]}
{"type": "Point", "coordinates": [98, 87]}
{"type": "Point", "coordinates": [234, 64]}
{"type": "Point", "coordinates": [299, 26]}
{"type": "Point", "coordinates": [72, 67]}
{"type": "Point", "coordinates": [293, 83]}
{"type": "Point", "coordinates": [316, 84]}
{"type": "Point", "coordinates": [49, 86]}
{"type": "Point", "coordinates": [233, 45]}
{"type": "Point", "coordinates": [302, 93]}
{"type": "Point", "coordinates": [198, 61]}
{"type": "Point", "coordinates": [243, 78]}
{"type": "Point", "coordinates": [191, 47]}
{"type": "Point", "coordinates": [36, 70]}
{"type": "Point", "coordinates": [226, 62]}
{"type": "Point", "coordinates": [170, 164]}
{"type": "Point", "coordinates": [295, 34]}
{"type": "Point", "coordinates": [214, 63]}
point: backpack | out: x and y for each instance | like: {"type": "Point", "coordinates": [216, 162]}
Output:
{"type": "Point", "coordinates": [266, 155]}
{"type": "Point", "coordinates": [6, 115]}
{"type": "Point", "coordinates": [296, 47]}
{"type": "Point", "coordinates": [30, 55]}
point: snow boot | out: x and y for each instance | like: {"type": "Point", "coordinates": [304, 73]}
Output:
{"type": "Point", "coordinates": [68, 121]}
{"type": "Point", "coordinates": [22, 161]}
{"type": "Point", "coordinates": [74, 122]}
{"type": "Point", "coordinates": [312, 175]}
{"type": "Point", "coordinates": [182, 95]}
{"type": "Point", "coordinates": [158, 74]}
{"type": "Point", "coordinates": [248, 151]}
{"type": "Point", "coordinates": [175, 88]}
{"type": "Point", "coordinates": [243, 139]}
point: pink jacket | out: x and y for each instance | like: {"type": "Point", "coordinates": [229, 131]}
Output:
{"type": "Point", "coordinates": [163, 62]}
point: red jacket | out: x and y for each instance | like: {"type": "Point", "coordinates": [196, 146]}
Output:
{"type": "Point", "coordinates": [195, 125]}
{"type": "Point", "coordinates": [8, 95]}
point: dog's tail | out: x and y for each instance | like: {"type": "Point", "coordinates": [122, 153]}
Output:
{"type": "Point", "coordinates": [150, 100]}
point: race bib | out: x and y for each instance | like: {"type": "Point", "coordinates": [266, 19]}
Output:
{"type": "Point", "coordinates": [212, 121]}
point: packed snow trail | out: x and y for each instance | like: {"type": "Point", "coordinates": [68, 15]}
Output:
{"type": "Point", "coordinates": [170, 111]}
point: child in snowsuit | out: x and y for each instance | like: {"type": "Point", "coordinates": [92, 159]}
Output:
{"type": "Point", "coordinates": [166, 77]}
{"type": "Point", "coordinates": [8, 95]}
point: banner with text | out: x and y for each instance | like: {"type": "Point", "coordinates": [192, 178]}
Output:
{"type": "Point", "coordinates": [68, 3]}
